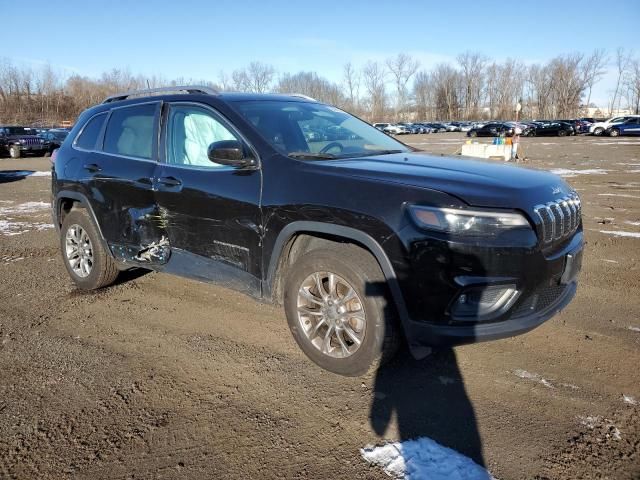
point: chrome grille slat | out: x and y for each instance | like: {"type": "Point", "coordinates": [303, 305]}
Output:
{"type": "Point", "coordinates": [558, 219]}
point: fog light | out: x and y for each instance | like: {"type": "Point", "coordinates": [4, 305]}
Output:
{"type": "Point", "coordinates": [483, 303]}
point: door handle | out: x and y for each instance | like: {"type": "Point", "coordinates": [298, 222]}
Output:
{"type": "Point", "coordinates": [169, 182]}
{"type": "Point", "coordinates": [92, 167]}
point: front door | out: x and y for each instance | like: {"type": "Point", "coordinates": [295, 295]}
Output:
{"type": "Point", "coordinates": [211, 211]}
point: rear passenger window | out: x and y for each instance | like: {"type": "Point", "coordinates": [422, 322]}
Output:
{"type": "Point", "coordinates": [130, 131]}
{"type": "Point", "coordinates": [89, 136]}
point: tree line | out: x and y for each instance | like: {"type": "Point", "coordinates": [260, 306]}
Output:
{"type": "Point", "coordinates": [471, 88]}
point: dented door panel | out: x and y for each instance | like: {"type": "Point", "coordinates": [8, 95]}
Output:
{"type": "Point", "coordinates": [214, 214]}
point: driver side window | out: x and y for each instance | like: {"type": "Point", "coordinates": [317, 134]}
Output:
{"type": "Point", "coordinates": [190, 131]}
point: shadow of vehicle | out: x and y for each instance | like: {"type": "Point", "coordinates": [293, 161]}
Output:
{"type": "Point", "coordinates": [7, 176]}
{"type": "Point", "coordinates": [427, 398]}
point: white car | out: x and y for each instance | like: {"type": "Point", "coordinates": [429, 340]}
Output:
{"type": "Point", "coordinates": [598, 128]}
{"type": "Point", "coordinates": [396, 130]}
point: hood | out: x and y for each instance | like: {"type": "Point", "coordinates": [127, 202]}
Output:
{"type": "Point", "coordinates": [478, 183]}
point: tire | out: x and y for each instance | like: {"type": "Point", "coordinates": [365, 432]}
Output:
{"type": "Point", "coordinates": [598, 131]}
{"type": "Point", "coordinates": [14, 151]}
{"type": "Point", "coordinates": [614, 132]}
{"type": "Point", "coordinates": [562, 133]}
{"type": "Point", "coordinates": [473, 134]}
{"type": "Point", "coordinates": [103, 268]}
{"type": "Point", "coordinates": [354, 268]}
{"type": "Point", "coordinates": [47, 154]}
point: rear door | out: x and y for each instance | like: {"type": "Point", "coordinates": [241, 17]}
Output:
{"type": "Point", "coordinates": [212, 211]}
{"type": "Point", "coordinates": [118, 173]}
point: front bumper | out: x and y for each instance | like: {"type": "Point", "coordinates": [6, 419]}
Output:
{"type": "Point", "coordinates": [438, 272]}
{"type": "Point", "coordinates": [425, 334]}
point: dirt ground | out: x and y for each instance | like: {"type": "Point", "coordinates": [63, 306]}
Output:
{"type": "Point", "coordinates": [162, 377]}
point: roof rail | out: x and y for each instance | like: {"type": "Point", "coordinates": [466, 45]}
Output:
{"type": "Point", "coordinates": [152, 91]}
{"type": "Point", "coordinates": [301, 95]}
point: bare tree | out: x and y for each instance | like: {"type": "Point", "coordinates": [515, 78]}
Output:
{"type": "Point", "coordinates": [402, 68]}
{"type": "Point", "coordinates": [309, 83]}
{"type": "Point", "coordinates": [593, 68]}
{"type": "Point", "coordinates": [351, 79]}
{"type": "Point", "coordinates": [256, 77]}
{"type": "Point", "coordinates": [622, 60]}
{"type": "Point", "coordinates": [472, 67]}
{"type": "Point", "coordinates": [373, 76]}
{"type": "Point", "coordinates": [632, 82]}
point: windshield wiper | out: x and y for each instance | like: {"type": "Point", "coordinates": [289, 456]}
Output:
{"type": "Point", "coordinates": [312, 155]}
{"type": "Point", "coordinates": [378, 152]}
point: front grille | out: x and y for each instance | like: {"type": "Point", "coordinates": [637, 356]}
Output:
{"type": "Point", "coordinates": [32, 141]}
{"type": "Point", "coordinates": [559, 219]}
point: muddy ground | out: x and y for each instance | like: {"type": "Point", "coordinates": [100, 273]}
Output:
{"type": "Point", "coordinates": [162, 377]}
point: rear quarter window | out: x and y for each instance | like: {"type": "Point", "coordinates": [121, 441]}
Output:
{"type": "Point", "coordinates": [89, 135]}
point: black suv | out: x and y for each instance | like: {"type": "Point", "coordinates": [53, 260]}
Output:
{"type": "Point", "coordinates": [17, 141]}
{"type": "Point", "coordinates": [365, 241]}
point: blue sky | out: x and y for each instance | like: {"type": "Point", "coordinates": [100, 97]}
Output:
{"type": "Point", "coordinates": [197, 38]}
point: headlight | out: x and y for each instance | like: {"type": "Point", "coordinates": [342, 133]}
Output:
{"type": "Point", "coordinates": [467, 222]}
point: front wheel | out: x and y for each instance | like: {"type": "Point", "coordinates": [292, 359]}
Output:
{"type": "Point", "coordinates": [473, 134]}
{"type": "Point", "coordinates": [14, 151]}
{"type": "Point", "coordinates": [598, 131]}
{"type": "Point", "coordinates": [562, 133]}
{"type": "Point", "coordinates": [614, 132]}
{"type": "Point", "coordinates": [88, 263]}
{"type": "Point", "coordinates": [338, 310]}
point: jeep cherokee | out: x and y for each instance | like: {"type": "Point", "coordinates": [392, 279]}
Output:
{"type": "Point", "coordinates": [365, 241]}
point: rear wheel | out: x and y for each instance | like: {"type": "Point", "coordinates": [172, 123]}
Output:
{"type": "Point", "coordinates": [338, 310]}
{"type": "Point", "coordinates": [473, 134]}
{"type": "Point", "coordinates": [89, 265]}
{"type": "Point", "coordinates": [14, 151]}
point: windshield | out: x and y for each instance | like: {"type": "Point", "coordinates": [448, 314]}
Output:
{"type": "Point", "coordinates": [314, 130]}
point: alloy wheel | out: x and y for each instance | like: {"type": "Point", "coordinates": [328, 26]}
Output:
{"type": "Point", "coordinates": [331, 314]}
{"type": "Point", "coordinates": [79, 251]}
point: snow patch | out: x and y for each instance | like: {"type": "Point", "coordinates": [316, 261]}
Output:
{"type": "Point", "coordinates": [28, 207]}
{"type": "Point", "coordinates": [533, 376]}
{"type": "Point", "coordinates": [617, 195]}
{"type": "Point", "coordinates": [423, 459]}
{"type": "Point", "coordinates": [634, 329]}
{"type": "Point", "coordinates": [592, 422]}
{"type": "Point", "coordinates": [619, 233]}
{"type": "Point", "coordinates": [609, 261]}
{"type": "Point", "coordinates": [41, 174]}
{"type": "Point", "coordinates": [10, 259]}
{"type": "Point", "coordinates": [10, 228]}
{"type": "Point", "coordinates": [565, 172]}
{"type": "Point", "coordinates": [629, 399]}
{"type": "Point", "coordinates": [628, 222]}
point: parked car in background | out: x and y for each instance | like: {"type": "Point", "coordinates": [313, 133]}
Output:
{"type": "Point", "coordinates": [53, 139]}
{"type": "Point", "coordinates": [545, 128]}
{"type": "Point", "coordinates": [18, 141]}
{"type": "Point", "coordinates": [630, 126]}
{"type": "Point", "coordinates": [493, 129]}
{"type": "Point", "coordinates": [437, 127]}
{"type": "Point", "coordinates": [381, 126]}
{"type": "Point", "coordinates": [397, 129]}
{"type": "Point", "coordinates": [599, 128]}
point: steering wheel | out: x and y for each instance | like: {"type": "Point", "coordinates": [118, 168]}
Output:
{"type": "Point", "coordinates": [331, 145]}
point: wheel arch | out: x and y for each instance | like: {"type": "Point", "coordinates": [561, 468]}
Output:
{"type": "Point", "coordinates": [286, 243]}
{"type": "Point", "coordinates": [61, 207]}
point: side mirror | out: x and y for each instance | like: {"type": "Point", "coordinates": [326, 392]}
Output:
{"type": "Point", "coordinates": [229, 152]}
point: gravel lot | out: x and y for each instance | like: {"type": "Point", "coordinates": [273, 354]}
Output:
{"type": "Point", "coordinates": [162, 377]}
